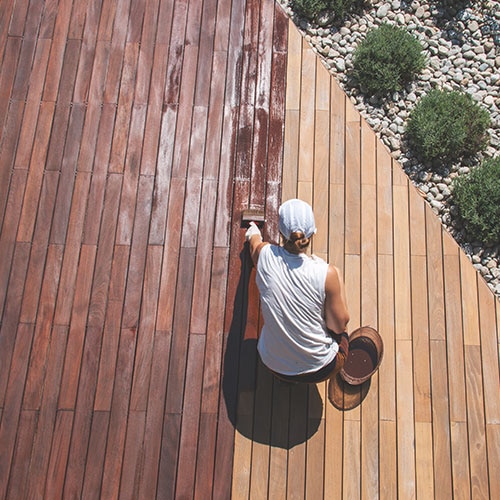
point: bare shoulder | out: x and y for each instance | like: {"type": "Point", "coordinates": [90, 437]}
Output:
{"type": "Point", "coordinates": [255, 246]}
{"type": "Point", "coordinates": [333, 277]}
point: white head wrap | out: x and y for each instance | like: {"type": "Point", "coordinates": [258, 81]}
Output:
{"type": "Point", "coordinates": [296, 216]}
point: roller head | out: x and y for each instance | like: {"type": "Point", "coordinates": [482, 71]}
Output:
{"type": "Point", "coordinates": [252, 215]}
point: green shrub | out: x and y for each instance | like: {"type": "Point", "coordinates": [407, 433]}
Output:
{"type": "Point", "coordinates": [477, 196]}
{"type": "Point", "coordinates": [387, 59]}
{"type": "Point", "coordinates": [311, 8]}
{"type": "Point", "coordinates": [446, 126]}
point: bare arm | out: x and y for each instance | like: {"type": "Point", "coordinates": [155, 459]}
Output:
{"type": "Point", "coordinates": [255, 245]}
{"type": "Point", "coordinates": [336, 313]}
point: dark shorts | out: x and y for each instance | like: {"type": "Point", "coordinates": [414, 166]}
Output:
{"type": "Point", "coordinates": [311, 377]}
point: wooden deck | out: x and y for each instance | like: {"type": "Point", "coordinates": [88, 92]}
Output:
{"type": "Point", "coordinates": [133, 133]}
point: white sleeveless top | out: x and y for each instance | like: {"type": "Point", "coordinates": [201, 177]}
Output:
{"type": "Point", "coordinates": [294, 338]}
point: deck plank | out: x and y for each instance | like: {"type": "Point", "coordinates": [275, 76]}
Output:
{"type": "Point", "coordinates": [39, 360]}
{"type": "Point", "coordinates": [13, 401]}
{"type": "Point", "coordinates": [41, 451]}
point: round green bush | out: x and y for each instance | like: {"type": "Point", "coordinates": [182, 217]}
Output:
{"type": "Point", "coordinates": [387, 59]}
{"type": "Point", "coordinates": [477, 197]}
{"type": "Point", "coordinates": [446, 126]}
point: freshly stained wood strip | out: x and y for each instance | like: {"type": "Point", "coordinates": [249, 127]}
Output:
{"type": "Point", "coordinates": [77, 331]}
{"type": "Point", "coordinates": [58, 460]}
{"type": "Point", "coordinates": [39, 250]}
{"type": "Point", "coordinates": [43, 338]}
{"type": "Point", "coordinates": [13, 400]}
{"type": "Point", "coordinates": [135, 278]}
{"type": "Point", "coordinates": [190, 427]}
{"type": "Point", "coordinates": [120, 404]}
{"type": "Point", "coordinates": [20, 462]}
{"type": "Point", "coordinates": [105, 254]}
{"type": "Point", "coordinates": [124, 113]}
{"type": "Point", "coordinates": [41, 451]}
{"type": "Point", "coordinates": [83, 413]}
{"type": "Point", "coordinates": [67, 176]}
{"type": "Point", "coordinates": [36, 175]}
{"type": "Point", "coordinates": [11, 311]}
{"type": "Point", "coordinates": [58, 48]}
{"type": "Point", "coordinates": [154, 414]}
{"type": "Point", "coordinates": [146, 332]}
{"type": "Point", "coordinates": [133, 455]}
{"type": "Point", "coordinates": [95, 457]}
{"type": "Point", "coordinates": [168, 459]}
{"type": "Point", "coordinates": [206, 454]}
{"type": "Point", "coordinates": [88, 58]}
{"type": "Point", "coordinates": [113, 27]}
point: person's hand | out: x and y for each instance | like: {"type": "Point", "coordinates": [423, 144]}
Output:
{"type": "Point", "coordinates": [339, 364]}
{"type": "Point", "coordinates": [344, 344]}
{"type": "Point", "coordinates": [252, 231]}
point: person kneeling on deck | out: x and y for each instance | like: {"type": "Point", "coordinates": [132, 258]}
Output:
{"type": "Point", "coordinates": [303, 301]}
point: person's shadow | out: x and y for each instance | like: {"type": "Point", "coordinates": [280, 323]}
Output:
{"type": "Point", "coordinates": [259, 406]}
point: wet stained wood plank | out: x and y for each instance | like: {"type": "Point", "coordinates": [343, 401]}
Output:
{"type": "Point", "coordinates": [116, 436]}
{"type": "Point", "coordinates": [36, 175]}
{"type": "Point", "coordinates": [58, 459]}
{"type": "Point", "coordinates": [8, 152]}
{"type": "Point", "coordinates": [129, 486]}
{"type": "Point", "coordinates": [88, 60]}
{"type": "Point", "coordinates": [154, 414]}
{"type": "Point", "coordinates": [105, 253]}
{"type": "Point", "coordinates": [41, 451]}
{"type": "Point", "coordinates": [168, 456]}
{"type": "Point", "coordinates": [171, 249]}
{"type": "Point", "coordinates": [124, 107]}
{"type": "Point", "coordinates": [203, 271]}
{"type": "Point", "coordinates": [10, 314]}
{"type": "Point", "coordinates": [67, 176]}
{"type": "Point", "coordinates": [180, 331]}
{"type": "Point", "coordinates": [9, 229]}
{"type": "Point", "coordinates": [6, 10]}
{"type": "Point", "coordinates": [20, 463]}
{"type": "Point", "coordinates": [215, 329]}
{"type": "Point", "coordinates": [38, 367]}
{"type": "Point", "coordinates": [146, 333]}
{"type": "Point", "coordinates": [137, 254]}
{"type": "Point", "coordinates": [7, 75]}
{"type": "Point", "coordinates": [13, 400]}
{"type": "Point", "coordinates": [77, 331]}
{"type": "Point", "coordinates": [188, 446]}
{"type": "Point", "coordinates": [84, 412]}
{"type": "Point", "coordinates": [96, 451]}
{"type": "Point", "coordinates": [151, 162]}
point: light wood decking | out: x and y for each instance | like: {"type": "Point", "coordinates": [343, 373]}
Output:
{"type": "Point", "coordinates": [133, 133]}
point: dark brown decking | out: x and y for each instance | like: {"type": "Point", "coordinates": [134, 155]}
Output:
{"type": "Point", "coordinates": [133, 134]}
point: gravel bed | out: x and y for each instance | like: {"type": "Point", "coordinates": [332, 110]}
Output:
{"type": "Point", "coordinates": [462, 49]}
